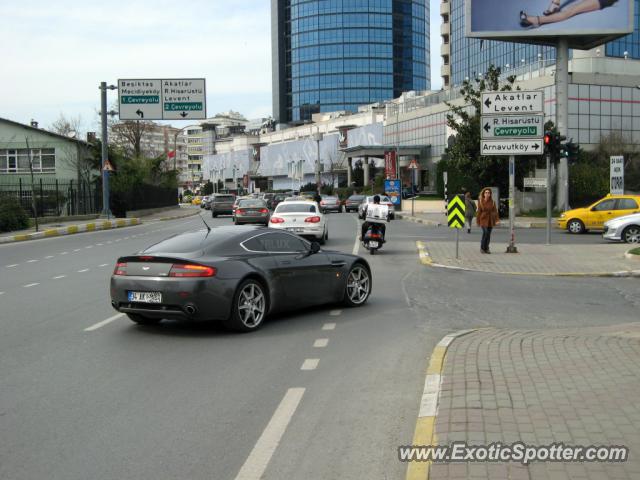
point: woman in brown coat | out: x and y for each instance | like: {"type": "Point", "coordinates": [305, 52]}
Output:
{"type": "Point", "coordinates": [486, 217]}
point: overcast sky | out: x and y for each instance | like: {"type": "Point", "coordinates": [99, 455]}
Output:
{"type": "Point", "coordinates": [55, 54]}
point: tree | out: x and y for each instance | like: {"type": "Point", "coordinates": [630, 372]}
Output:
{"type": "Point", "coordinates": [69, 127]}
{"type": "Point", "coordinates": [128, 135]}
{"type": "Point", "coordinates": [463, 154]}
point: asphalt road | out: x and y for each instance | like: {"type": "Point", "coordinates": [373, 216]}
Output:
{"type": "Point", "coordinates": [326, 393]}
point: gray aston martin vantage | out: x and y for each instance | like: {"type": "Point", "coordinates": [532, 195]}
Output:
{"type": "Point", "coordinates": [237, 275]}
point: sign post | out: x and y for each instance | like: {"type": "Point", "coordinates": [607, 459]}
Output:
{"type": "Point", "coordinates": [512, 124]}
{"type": "Point", "coordinates": [455, 218]}
{"type": "Point", "coordinates": [616, 174]}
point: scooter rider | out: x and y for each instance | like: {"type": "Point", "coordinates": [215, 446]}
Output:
{"type": "Point", "coordinates": [366, 225]}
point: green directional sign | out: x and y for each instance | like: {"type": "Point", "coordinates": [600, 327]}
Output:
{"type": "Point", "coordinates": [512, 126]}
{"type": "Point", "coordinates": [139, 99]}
{"type": "Point", "coordinates": [455, 212]}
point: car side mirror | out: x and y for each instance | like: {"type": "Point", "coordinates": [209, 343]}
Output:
{"type": "Point", "coordinates": [315, 248]}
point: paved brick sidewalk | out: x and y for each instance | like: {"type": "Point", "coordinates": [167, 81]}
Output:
{"type": "Point", "coordinates": [593, 259]}
{"type": "Point", "coordinates": [576, 386]}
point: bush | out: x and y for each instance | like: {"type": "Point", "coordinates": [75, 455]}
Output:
{"type": "Point", "coordinates": [12, 215]}
{"type": "Point", "coordinates": [587, 183]}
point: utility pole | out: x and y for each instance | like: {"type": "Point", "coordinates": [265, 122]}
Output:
{"type": "Point", "coordinates": [318, 138]}
{"type": "Point", "coordinates": [106, 211]}
{"type": "Point", "coordinates": [562, 115]}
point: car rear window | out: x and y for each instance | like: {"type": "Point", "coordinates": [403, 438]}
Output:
{"type": "Point", "coordinates": [296, 208]}
{"type": "Point", "coordinates": [252, 203]}
{"type": "Point", "coordinates": [224, 198]}
{"type": "Point", "coordinates": [356, 197]}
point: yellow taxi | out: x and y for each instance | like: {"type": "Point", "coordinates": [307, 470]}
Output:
{"type": "Point", "coordinates": [196, 200]}
{"type": "Point", "coordinates": [580, 220]}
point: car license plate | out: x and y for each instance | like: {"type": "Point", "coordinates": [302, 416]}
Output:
{"type": "Point", "coordinates": [145, 297]}
{"type": "Point", "coordinates": [295, 230]}
{"type": "Point", "coordinates": [373, 243]}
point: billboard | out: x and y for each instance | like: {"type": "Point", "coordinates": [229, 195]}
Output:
{"type": "Point", "coordinates": [585, 23]}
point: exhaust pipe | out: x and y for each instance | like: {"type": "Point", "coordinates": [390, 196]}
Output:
{"type": "Point", "coordinates": [190, 309]}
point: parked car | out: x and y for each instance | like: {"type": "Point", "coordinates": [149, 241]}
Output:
{"type": "Point", "coordinates": [593, 217]}
{"type": "Point", "coordinates": [626, 228]}
{"type": "Point", "coordinates": [352, 203]}
{"type": "Point", "coordinates": [250, 210]}
{"type": "Point", "coordinates": [384, 200]}
{"type": "Point", "coordinates": [302, 217]}
{"type": "Point", "coordinates": [236, 275]}
{"type": "Point", "coordinates": [330, 203]}
{"type": "Point", "coordinates": [221, 204]}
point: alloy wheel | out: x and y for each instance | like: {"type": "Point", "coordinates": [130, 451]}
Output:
{"type": "Point", "coordinates": [358, 285]}
{"type": "Point", "coordinates": [251, 305]}
{"type": "Point", "coordinates": [632, 234]}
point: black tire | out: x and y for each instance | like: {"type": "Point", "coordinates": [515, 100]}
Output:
{"type": "Point", "coordinates": [322, 239]}
{"type": "Point", "coordinates": [250, 299]}
{"type": "Point", "coordinates": [631, 234]}
{"type": "Point", "coordinates": [372, 251]}
{"type": "Point", "coordinates": [575, 226]}
{"type": "Point", "coordinates": [214, 214]}
{"type": "Point", "coordinates": [142, 320]}
{"type": "Point", "coordinates": [358, 286]}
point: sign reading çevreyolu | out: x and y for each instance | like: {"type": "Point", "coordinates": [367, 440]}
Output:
{"type": "Point", "coordinates": [512, 126]}
{"type": "Point", "coordinates": [162, 99]}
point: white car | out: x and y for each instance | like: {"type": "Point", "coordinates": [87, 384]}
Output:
{"type": "Point", "coordinates": [626, 228]}
{"type": "Point", "coordinates": [302, 217]}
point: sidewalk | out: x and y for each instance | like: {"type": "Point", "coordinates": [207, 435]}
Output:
{"type": "Point", "coordinates": [77, 226]}
{"type": "Point", "coordinates": [438, 218]}
{"type": "Point", "coordinates": [606, 259]}
{"type": "Point", "coordinates": [575, 386]}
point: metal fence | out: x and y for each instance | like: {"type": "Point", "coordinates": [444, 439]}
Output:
{"type": "Point", "coordinates": [54, 198]}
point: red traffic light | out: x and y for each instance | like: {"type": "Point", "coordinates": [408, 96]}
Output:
{"type": "Point", "coordinates": [547, 139]}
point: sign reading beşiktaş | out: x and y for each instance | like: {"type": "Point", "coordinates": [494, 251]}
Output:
{"type": "Point", "coordinates": [162, 99]}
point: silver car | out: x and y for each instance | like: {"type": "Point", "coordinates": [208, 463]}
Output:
{"type": "Point", "coordinates": [626, 228]}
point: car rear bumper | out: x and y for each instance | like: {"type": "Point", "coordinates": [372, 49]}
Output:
{"type": "Point", "coordinates": [182, 298]}
{"type": "Point", "coordinates": [251, 219]}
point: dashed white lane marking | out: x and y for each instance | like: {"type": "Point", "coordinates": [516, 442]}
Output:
{"type": "Point", "coordinates": [103, 265]}
{"type": "Point", "coordinates": [99, 244]}
{"type": "Point", "coordinates": [118, 239]}
{"type": "Point", "coordinates": [83, 270]}
{"type": "Point", "coordinates": [1, 293]}
{"type": "Point", "coordinates": [31, 285]}
{"type": "Point", "coordinates": [103, 323]}
{"type": "Point", "coordinates": [109, 242]}
{"type": "Point", "coordinates": [321, 343]}
{"type": "Point", "coordinates": [76, 249]}
{"type": "Point", "coordinates": [356, 244]}
{"type": "Point", "coordinates": [64, 253]}
{"type": "Point", "coordinates": [329, 326]}
{"type": "Point", "coordinates": [335, 313]}
{"type": "Point", "coordinates": [48, 256]}
{"type": "Point", "coordinates": [12, 265]}
{"type": "Point", "coordinates": [259, 458]}
{"type": "Point", "coordinates": [32, 261]}
{"type": "Point", "coordinates": [89, 246]}
{"type": "Point", "coordinates": [59, 277]}
{"type": "Point", "coordinates": [310, 364]}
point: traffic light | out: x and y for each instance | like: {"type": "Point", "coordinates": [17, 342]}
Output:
{"type": "Point", "coordinates": [571, 151]}
{"type": "Point", "coordinates": [553, 143]}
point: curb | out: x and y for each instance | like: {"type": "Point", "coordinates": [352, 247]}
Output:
{"type": "Point", "coordinates": [427, 260]}
{"type": "Point", "coordinates": [439, 224]}
{"type": "Point", "coordinates": [177, 217]}
{"type": "Point", "coordinates": [631, 256]}
{"type": "Point", "coordinates": [424, 434]}
{"type": "Point", "coordinates": [73, 229]}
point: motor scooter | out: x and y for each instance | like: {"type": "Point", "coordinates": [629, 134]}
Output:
{"type": "Point", "coordinates": [374, 238]}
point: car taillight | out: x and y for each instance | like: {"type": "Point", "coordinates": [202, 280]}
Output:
{"type": "Point", "coordinates": [264, 210]}
{"type": "Point", "coordinates": [322, 202]}
{"type": "Point", "coordinates": [239, 211]}
{"type": "Point", "coordinates": [312, 219]}
{"type": "Point", "coordinates": [121, 268]}
{"type": "Point", "coordinates": [182, 270]}
{"type": "Point", "coordinates": [276, 220]}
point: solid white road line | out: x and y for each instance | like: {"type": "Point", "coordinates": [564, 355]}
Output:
{"type": "Point", "coordinates": [310, 364]}
{"type": "Point", "coordinates": [11, 266]}
{"type": "Point", "coordinates": [356, 244]}
{"type": "Point", "coordinates": [329, 326]}
{"type": "Point", "coordinates": [83, 270]}
{"type": "Point", "coordinates": [31, 285]}
{"type": "Point", "coordinates": [335, 313]}
{"type": "Point", "coordinates": [103, 323]}
{"type": "Point", "coordinates": [259, 458]}
{"type": "Point", "coordinates": [321, 342]}
{"type": "Point", "coordinates": [59, 277]}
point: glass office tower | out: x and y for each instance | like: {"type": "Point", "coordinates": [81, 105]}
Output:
{"type": "Point", "coordinates": [331, 55]}
{"type": "Point", "coordinates": [469, 57]}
